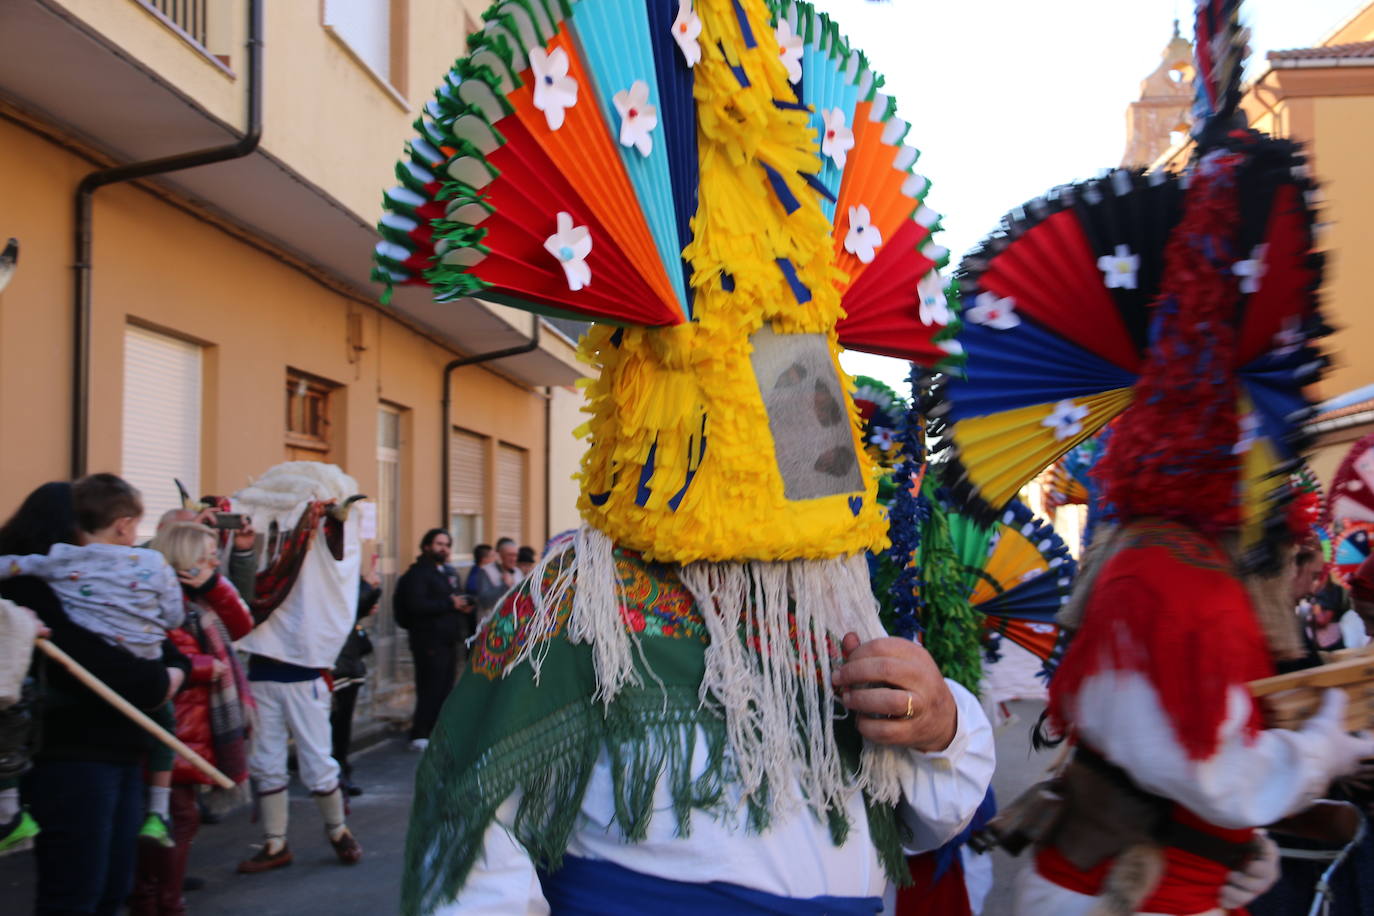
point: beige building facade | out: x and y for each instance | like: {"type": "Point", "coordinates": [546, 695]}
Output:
{"type": "Point", "coordinates": [231, 321]}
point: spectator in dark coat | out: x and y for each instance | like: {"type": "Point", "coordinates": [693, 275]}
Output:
{"type": "Point", "coordinates": [86, 787]}
{"type": "Point", "coordinates": [350, 671]}
{"type": "Point", "coordinates": [430, 604]}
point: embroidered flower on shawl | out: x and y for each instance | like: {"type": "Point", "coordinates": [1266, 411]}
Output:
{"type": "Point", "coordinates": [1119, 270]}
{"type": "Point", "coordinates": [934, 307]}
{"type": "Point", "coordinates": [554, 90]}
{"type": "Point", "coordinates": [836, 138]}
{"type": "Point", "coordinates": [686, 29]}
{"type": "Point", "coordinates": [1066, 419]}
{"type": "Point", "coordinates": [1252, 270]}
{"type": "Point", "coordinates": [571, 245]}
{"type": "Point", "coordinates": [862, 239]}
{"type": "Point", "coordinates": [637, 117]}
{"type": "Point", "coordinates": [790, 49]}
{"type": "Point", "coordinates": [992, 311]}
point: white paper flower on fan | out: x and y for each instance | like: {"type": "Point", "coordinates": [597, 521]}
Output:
{"type": "Point", "coordinates": [790, 48]}
{"type": "Point", "coordinates": [686, 29]}
{"type": "Point", "coordinates": [637, 117]}
{"type": "Point", "coordinates": [1289, 336]}
{"type": "Point", "coordinates": [992, 311]}
{"type": "Point", "coordinates": [863, 238]}
{"type": "Point", "coordinates": [1066, 420]}
{"type": "Point", "coordinates": [1119, 270]}
{"type": "Point", "coordinates": [1251, 271]}
{"type": "Point", "coordinates": [934, 307]}
{"type": "Point", "coordinates": [554, 90]}
{"type": "Point", "coordinates": [836, 138]}
{"type": "Point", "coordinates": [571, 245]}
{"type": "Point", "coordinates": [1249, 427]}
{"type": "Point", "coordinates": [883, 437]}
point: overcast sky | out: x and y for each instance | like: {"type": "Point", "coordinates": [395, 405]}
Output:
{"type": "Point", "coordinates": [1008, 98]}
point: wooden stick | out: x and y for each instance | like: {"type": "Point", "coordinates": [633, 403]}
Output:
{"type": "Point", "coordinates": [133, 712]}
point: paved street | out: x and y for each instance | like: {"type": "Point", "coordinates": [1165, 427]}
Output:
{"type": "Point", "coordinates": [315, 883]}
{"type": "Point", "coordinates": [1017, 768]}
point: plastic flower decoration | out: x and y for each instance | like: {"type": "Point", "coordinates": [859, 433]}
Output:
{"type": "Point", "coordinates": [1251, 271]}
{"type": "Point", "coordinates": [686, 29]}
{"type": "Point", "coordinates": [637, 117]}
{"type": "Point", "coordinates": [862, 239]}
{"type": "Point", "coordinates": [554, 90]}
{"type": "Point", "coordinates": [571, 245]}
{"type": "Point", "coordinates": [790, 48]}
{"type": "Point", "coordinates": [934, 306]}
{"type": "Point", "coordinates": [993, 312]}
{"type": "Point", "coordinates": [1119, 269]}
{"type": "Point", "coordinates": [836, 138]}
{"type": "Point", "coordinates": [1066, 419]}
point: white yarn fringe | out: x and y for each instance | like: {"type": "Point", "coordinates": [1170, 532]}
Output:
{"type": "Point", "coordinates": [774, 692]}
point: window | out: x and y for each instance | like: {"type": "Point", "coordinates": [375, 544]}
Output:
{"type": "Point", "coordinates": [467, 491]}
{"type": "Point", "coordinates": [390, 655]}
{"type": "Point", "coordinates": [371, 29]}
{"type": "Point", "coordinates": [162, 399]}
{"type": "Point", "coordinates": [510, 493]}
{"type": "Point", "coordinates": [307, 417]}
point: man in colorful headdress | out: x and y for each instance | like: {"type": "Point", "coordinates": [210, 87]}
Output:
{"type": "Point", "coordinates": [1172, 768]}
{"type": "Point", "coordinates": [693, 707]}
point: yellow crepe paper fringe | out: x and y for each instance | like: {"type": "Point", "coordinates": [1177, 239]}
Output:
{"type": "Point", "coordinates": [659, 388]}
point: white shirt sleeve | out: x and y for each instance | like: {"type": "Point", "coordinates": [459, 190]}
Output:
{"type": "Point", "coordinates": [1353, 631]}
{"type": "Point", "coordinates": [1250, 780]}
{"type": "Point", "coordinates": [503, 881]}
{"type": "Point", "coordinates": [942, 791]}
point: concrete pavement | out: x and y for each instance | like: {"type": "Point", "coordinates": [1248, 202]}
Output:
{"type": "Point", "coordinates": [315, 884]}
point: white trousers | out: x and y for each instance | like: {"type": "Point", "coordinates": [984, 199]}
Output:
{"type": "Point", "coordinates": [1036, 896]}
{"type": "Point", "coordinates": [299, 711]}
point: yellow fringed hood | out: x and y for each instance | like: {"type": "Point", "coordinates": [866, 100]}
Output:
{"type": "Point", "coordinates": [734, 437]}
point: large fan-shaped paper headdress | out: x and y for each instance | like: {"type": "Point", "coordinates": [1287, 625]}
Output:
{"type": "Point", "coordinates": [1189, 300]}
{"type": "Point", "coordinates": [1018, 573]}
{"type": "Point", "coordinates": [722, 185]}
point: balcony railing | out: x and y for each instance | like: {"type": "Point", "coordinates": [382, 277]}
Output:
{"type": "Point", "coordinates": [187, 15]}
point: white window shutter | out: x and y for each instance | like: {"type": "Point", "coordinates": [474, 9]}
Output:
{"type": "Point", "coordinates": [366, 26]}
{"type": "Point", "coordinates": [510, 492]}
{"type": "Point", "coordinates": [162, 399]}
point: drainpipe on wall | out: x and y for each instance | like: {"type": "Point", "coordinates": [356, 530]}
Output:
{"type": "Point", "coordinates": [446, 432]}
{"type": "Point", "coordinates": [85, 191]}
{"type": "Point", "coordinates": [548, 464]}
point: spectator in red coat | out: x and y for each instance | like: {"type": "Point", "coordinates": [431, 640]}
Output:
{"type": "Point", "coordinates": [211, 711]}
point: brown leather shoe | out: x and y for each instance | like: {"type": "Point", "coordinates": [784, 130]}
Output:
{"type": "Point", "coordinates": [347, 848]}
{"type": "Point", "coordinates": [266, 861]}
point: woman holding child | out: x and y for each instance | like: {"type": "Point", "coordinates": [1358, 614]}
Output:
{"type": "Point", "coordinates": [86, 788]}
{"type": "Point", "coordinates": [211, 710]}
